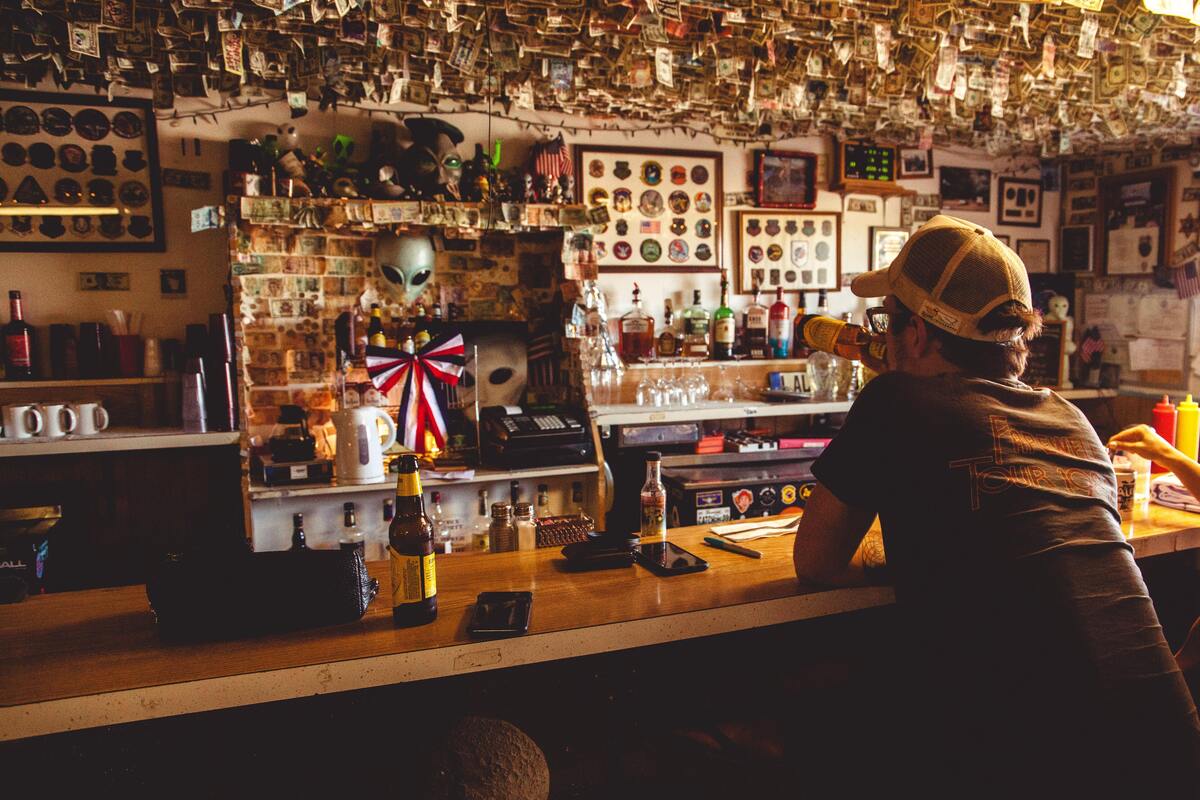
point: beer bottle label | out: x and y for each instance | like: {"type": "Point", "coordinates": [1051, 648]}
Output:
{"type": "Point", "coordinates": [414, 578]}
{"type": "Point", "coordinates": [725, 330]}
{"type": "Point", "coordinates": [18, 350]}
{"type": "Point", "coordinates": [408, 484]}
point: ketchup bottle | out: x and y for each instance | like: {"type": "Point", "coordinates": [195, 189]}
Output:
{"type": "Point", "coordinates": [1164, 423]}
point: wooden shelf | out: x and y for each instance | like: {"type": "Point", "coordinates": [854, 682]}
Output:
{"type": "Point", "coordinates": [78, 382]}
{"type": "Point", "coordinates": [631, 414]}
{"type": "Point", "coordinates": [782, 363]}
{"type": "Point", "coordinates": [370, 215]}
{"type": "Point", "coordinates": [482, 475]}
{"type": "Point", "coordinates": [115, 440]}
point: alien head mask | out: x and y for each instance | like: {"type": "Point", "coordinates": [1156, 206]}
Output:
{"type": "Point", "coordinates": [432, 165]}
{"type": "Point", "coordinates": [407, 263]}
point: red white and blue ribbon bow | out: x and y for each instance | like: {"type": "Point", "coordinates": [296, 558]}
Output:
{"type": "Point", "coordinates": [422, 406]}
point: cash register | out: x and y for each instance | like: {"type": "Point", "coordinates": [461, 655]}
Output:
{"type": "Point", "coordinates": [535, 436]}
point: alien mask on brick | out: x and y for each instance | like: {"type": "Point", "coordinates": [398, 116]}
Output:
{"type": "Point", "coordinates": [432, 165]}
{"type": "Point", "coordinates": [407, 264]}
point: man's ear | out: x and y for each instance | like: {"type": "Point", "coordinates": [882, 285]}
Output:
{"type": "Point", "coordinates": [922, 340]}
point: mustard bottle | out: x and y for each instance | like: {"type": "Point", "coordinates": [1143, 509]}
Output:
{"type": "Point", "coordinates": [1187, 427]}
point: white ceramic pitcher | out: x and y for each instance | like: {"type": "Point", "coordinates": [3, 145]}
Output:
{"type": "Point", "coordinates": [360, 448]}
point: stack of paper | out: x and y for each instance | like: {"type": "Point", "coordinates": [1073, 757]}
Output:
{"type": "Point", "coordinates": [757, 529]}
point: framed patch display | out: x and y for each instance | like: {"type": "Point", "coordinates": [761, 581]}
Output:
{"type": "Point", "coordinates": [664, 208]}
{"type": "Point", "coordinates": [798, 250]}
{"type": "Point", "coordinates": [80, 153]}
{"type": "Point", "coordinates": [1020, 202]}
{"type": "Point", "coordinates": [1136, 209]}
{"type": "Point", "coordinates": [785, 179]}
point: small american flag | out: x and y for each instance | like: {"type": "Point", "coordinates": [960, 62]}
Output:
{"type": "Point", "coordinates": [1091, 347]}
{"type": "Point", "coordinates": [1187, 280]}
{"type": "Point", "coordinates": [551, 159]}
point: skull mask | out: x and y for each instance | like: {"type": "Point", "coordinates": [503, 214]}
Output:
{"type": "Point", "coordinates": [432, 165]}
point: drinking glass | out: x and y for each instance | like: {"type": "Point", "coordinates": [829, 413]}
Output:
{"type": "Point", "coordinates": [648, 392]}
{"type": "Point", "coordinates": [822, 376]}
{"type": "Point", "coordinates": [695, 384]}
{"type": "Point", "coordinates": [741, 389]}
{"type": "Point", "coordinates": [726, 392]}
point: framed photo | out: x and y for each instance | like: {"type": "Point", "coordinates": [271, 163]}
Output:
{"type": "Point", "coordinates": [796, 250]}
{"type": "Point", "coordinates": [1035, 253]}
{"type": "Point", "coordinates": [785, 179]}
{"type": "Point", "coordinates": [1004, 239]}
{"type": "Point", "coordinates": [1136, 213]}
{"type": "Point", "coordinates": [1019, 202]}
{"type": "Point", "coordinates": [665, 207]}
{"type": "Point", "coordinates": [915, 162]}
{"type": "Point", "coordinates": [886, 244]}
{"type": "Point", "coordinates": [965, 189]}
{"type": "Point", "coordinates": [77, 151]}
{"type": "Point", "coordinates": [1076, 248]}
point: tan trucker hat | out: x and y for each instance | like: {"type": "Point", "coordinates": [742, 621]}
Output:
{"type": "Point", "coordinates": [951, 273]}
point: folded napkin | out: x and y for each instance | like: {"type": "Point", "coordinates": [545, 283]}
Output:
{"type": "Point", "coordinates": [757, 529]}
{"type": "Point", "coordinates": [1166, 490]}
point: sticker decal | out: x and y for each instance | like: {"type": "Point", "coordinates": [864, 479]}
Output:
{"type": "Point", "coordinates": [787, 494]}
{"type": "Point", "coordinates": [743, 499]}
{"type": "Point", "coordinates": [709, 499]}
{"type": "Point", "coordinates": [706, 515]}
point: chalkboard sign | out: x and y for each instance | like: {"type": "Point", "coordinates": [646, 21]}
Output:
{"type": "Point", "coordinates": [1044, 367]}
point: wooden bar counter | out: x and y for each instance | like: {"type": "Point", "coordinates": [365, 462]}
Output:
{"type": "Point", "coordinates": [84, 659]}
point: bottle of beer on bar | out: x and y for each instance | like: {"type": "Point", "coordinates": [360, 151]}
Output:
{"type": "Point", "coordinates": [410, 552]}
{"type": "Point", "coordinates": [298, 539]}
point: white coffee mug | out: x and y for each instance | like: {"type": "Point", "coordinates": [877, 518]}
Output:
{"type": "Point", "coordinates": [58, 419]}
{"type": "Point", "coordinates": [93, 417]}
{"type": "Point", "coordinates": [22, 421]}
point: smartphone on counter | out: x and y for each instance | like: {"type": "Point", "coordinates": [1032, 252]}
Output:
{"type": "Point", "coordinates": [667, 558]}
{"type": "Point", "coordinates": [500, 614]}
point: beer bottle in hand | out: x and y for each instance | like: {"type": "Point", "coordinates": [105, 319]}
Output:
{"type": "Point", "coordinates": [410, 552]}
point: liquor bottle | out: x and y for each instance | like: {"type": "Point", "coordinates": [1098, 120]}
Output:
{"type": "Point", "coordinates": [823, 302]}
{"type": "Point", "coordinates": [18, 342]}
{"type": "Point", "coordinates": [352, 537]}
{"type": "Point", "coordinates": [410, 551]}
{"type": "Point", "coordinates": [695, 329]}
{"type": "Point", "coordinates": [543, 500]}
{"type": "Point", "coordinates": [514, 493]}
{"type": "Point", "coordinates": [779, 326]}
{"type": "Point", "coordinates": [828, 335]}
{"type": "Point", "coordinates": [375, 335]}
{"type": "Point", "coordinates": [479, 531]}
{"type": "Point", "coordinates": [298, 541]}
{"type": "Point", "coordinates": [421, 321]}
{"type": "Point", "coordinates": [577, 499]}
{"type": "Point", "coordinates": [754, 327]}
{"type": "Point", "coordinates": [654, 499]}
{"type": "Point", "coordinates": [442, 541]}
{"type": "Point", "coordinates": [668, 342]}
{"type": "Point", "coordinates": [799, 346]}
{"type": "Point", "coordinates": [361, 337]}
{"type": "Point", "coordinates": [724, 327]}
{"type": "Point", "coordinates": [637, 331]}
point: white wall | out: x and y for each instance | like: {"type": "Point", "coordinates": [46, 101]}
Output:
{"type": "Point", "coordinates": [49, 280]}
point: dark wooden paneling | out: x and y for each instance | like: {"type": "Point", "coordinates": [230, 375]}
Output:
{"type": "Point", "coordinates": [122, 511]}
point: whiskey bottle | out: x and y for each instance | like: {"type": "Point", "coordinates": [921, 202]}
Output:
{"type": "Point", "coordinates": [695, 329]}
{"type": "Point", "coordinates": [724, 328]}
{"type": "Point", "coordinates": [754, 327]}
{"type": "Point", "coordinates": [668, 342]}
{"type": "Point", "coordinates": [637, 331]}
{"type": "Point", "coordinates": [18, 342]}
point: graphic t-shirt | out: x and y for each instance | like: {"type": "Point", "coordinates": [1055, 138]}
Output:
{"type": "Point", "coordinates": [998, 508]}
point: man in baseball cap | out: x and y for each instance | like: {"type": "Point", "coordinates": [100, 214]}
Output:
{"type": "Point", "coordinates": [1036, 655]}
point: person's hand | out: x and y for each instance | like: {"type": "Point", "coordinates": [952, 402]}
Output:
{"type": "Point", "coordinates": [1144, 441]}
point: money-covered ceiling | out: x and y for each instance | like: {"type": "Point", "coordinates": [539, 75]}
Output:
{"type": "Point", "coordinates": [1008, 76]}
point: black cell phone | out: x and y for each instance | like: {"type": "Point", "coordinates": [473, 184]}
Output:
{"type": "Point", "coordinates": [668, 558]}
{"type": "Point", "coordinates": [499, 614]}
